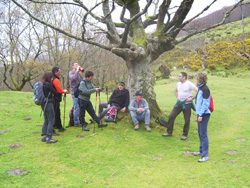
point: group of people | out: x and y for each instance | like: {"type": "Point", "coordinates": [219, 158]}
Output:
{"type": "Point", "coordinates": [119, 100]}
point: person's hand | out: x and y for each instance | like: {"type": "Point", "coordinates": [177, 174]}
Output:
{"type": "Point", "coordinates": [200, 119]}
{"type": "Point", "coordinates": [123, 109]}
{"type": "Point", "coordinates": [65, 91]}
{"type": "Point", "coordinates": [77, 69]}
{"type": "Point", "coordinates": [97, 89]}
{"type": "Point", "coordinates": [108, 105]}
{"type": "Point", "coordinates": [189, 99]}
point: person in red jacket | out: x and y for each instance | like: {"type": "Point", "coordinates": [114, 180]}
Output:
{"type": "Point", "coordinates": [56, 83]}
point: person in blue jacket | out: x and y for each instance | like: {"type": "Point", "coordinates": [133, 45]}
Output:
{"type": "Point", "coordinates": [203, 114]}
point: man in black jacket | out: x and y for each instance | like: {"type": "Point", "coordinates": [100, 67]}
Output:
{"type": "Point", "coordinates": [118, 100]}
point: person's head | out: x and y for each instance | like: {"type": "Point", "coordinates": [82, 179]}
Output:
{"type": "Point", "coordinates": [89, 75]}
{"type": "Point", "coordinates": [47, 77]}
{"type": "Point", "coordinates": [201, 78]}
{"type": "Point", "coordinates": [56, 71]}
{"type": "Point", "coordinates": [74, 66]}
{"type": "Point", "coordinates": [183, 77]}
{"type": "Point", "coordinates": [121, 85]}
{"type": "Point", "coordinates": [139, 95]}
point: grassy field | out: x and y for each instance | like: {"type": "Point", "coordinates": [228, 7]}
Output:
{"type": "Point", "coordinates": [118, 156]}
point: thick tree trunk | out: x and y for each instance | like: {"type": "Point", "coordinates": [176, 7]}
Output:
{"type": "Point", "coordinates": [139, 78]}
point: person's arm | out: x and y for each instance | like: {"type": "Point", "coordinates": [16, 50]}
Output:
{"type": "Point", "coordinates": [57, 85]}
{"type": "Point", "coordinates": [205, 103]}
{"type": "Point", "coordinates": [132, 105]}
{"type": "Point", "coordinates": [111, 97]}
{"type": "Point", "coordinates": [52, 89]}
{"type": "Point", "coordinates": [176, 93]}
{"type": "Point", "coordinates": [84, 90]}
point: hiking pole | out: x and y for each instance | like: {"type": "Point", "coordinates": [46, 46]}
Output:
{"type": "Point", "coordinates": [107, 91]}
{"type": "Point", "coordinates": [100, 104]}
{"type": "Point", "coordinates": [64, 98]}
{"type": "Point", "coordinates": [95, 108]}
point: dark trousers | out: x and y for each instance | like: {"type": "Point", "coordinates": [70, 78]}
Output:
{"type": "Point", "coordinates": [202, 130]}
{"type": "Point", "coordinates": [49, 119]}
{"type": "Point", "coordinates": [105, 105]}
{"type": "Point", "coordinates": [175, 112]}
{"type": "Point", "coordinates": [86, 105]}
{"type": "Point", "coordinates": [58, 123]}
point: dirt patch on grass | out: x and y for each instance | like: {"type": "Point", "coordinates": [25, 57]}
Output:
{"type": "Point", "coordinates": [81, 136]}
{"type": "Point", "coordinates": [240, 146]}
{"type": "Point", "coordinates": [2, 154]}
{"type": "Point", "coordinates": [241, 140]}
{"type": "Point", "coordinates": [14, 146]}
{"type": "Point", "coordinates": [232, 162]}
{"type": "Point", "coordinates": [4, 131]}
{"type": "Point", "coordinates": [156, 158]}
{"type": "Point", "coordinates": [26, 119]}
{"type": "Point", "coordinates": [35, 133]}
{"type": "Point", "coordinates": [231, 152]}
{"type": "Point", "coordinates": [188, 153]}
{"type": "Point", "coordinates": [186, 148]}
{"type": "Point", "coordinates": [16, 172]}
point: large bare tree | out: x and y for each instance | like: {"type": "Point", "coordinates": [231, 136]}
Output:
{"type": "Point", "coordinates": [128, 37]}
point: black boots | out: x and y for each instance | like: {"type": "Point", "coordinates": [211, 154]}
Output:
{"type": "Point", "coordinates": [84, 128]}
{"type": "Point", "coordinates": [100, 124]}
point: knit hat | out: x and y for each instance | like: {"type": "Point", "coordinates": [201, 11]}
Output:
{"type": "Point", "coordinates": [122, 84]}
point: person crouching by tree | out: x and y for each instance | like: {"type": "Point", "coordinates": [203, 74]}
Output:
{"type": "Point", "coordinates": [86, 88]}
{"type": "Point", "coordinates": [57, 99]}
{"type": "Point", "coordinates": [203, 114]}
{"type": "Point", "coordinates": [48, 109]}
{"type": "Point", "coordinates": [139, 111]}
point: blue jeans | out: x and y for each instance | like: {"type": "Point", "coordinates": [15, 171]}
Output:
{"type": "Point", "coordinates": [137, 117]}
{"type": "Point", "coordinates": [76, 110]}
{"type": "Point", "coordinates": [49, 120]}
{"type": "Point", "coordinates": [202, 130]}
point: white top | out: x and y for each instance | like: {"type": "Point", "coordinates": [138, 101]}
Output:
{"type": "Point", "coordinates": [184, 90]}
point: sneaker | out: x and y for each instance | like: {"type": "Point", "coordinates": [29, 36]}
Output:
{"type": "Point", "coordinates": [55, 134]}
{"type": "Point", "coordinates": [167, 134]}
{"type": "Point", "coordinates": [203, 159]}
{"type": "Point", "coordinates": [184, 138]}
{"type": "Point", "coordinates": [43, 139]}
{"type": "Point", "coordinates": [197, 153]}
{"type": "Point", "coordinates": [61, 129]}
{"type": "Point", "coordinates": [136, 127]}
{"type": "Point", "coordinates": [147, 128]}
{"type": "Point", "coordinates": [50, 141]}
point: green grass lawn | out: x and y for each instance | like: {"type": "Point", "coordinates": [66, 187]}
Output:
{"type": "Point", "coordinates": [119, 156]}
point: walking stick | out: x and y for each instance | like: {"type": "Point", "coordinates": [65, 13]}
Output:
{"type": "Point", "coordinates": [95, 109]}
{"type": "Point", "coordinates": [99, 104]}
{"type": "Point", "coordinates": [107, 91]}
{"type": "Point", "coordinates": [64, 98]}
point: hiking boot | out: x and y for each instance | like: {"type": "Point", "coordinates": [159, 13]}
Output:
{"type": "Point", "coordinates": [84, 128]}
{"type": "Point", "coordinates": [55, 134]}
{"type": "Point", "coordinates": [184, 138]}
{"type": "Point", "coordinates": [43, 139]}
{"type": "Point", "coordinates": [136, 127]}
{"type": "Point", "coordinates": [100, 124]}
{"type": "Point", "coordinates": [78, 125]}
{"type": "Point", "coordinates": [61, 129]}
{"type": "Point", "coordinates": [203, 159]}
{"type": "Point", "coordinates": [147, 128]}
{"type": "Point", "coordinates": [197, 153]}
{"type": "Point", "coordinates": [167, 134]}
{"type": "Point", "coordinates": [50, 141]}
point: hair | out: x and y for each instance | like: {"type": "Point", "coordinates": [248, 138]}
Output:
{"type": "Point", "coordinates": [55, 69]}
{"type": "Point", "coordinates": [184, 74]}
{"type": "Point", "coordinates": [47, 77]}
{"type": "Point", "coordinates": [74, 63]}
{"type": "Point", "coordinates": [201, 78]}
{"type": "Point", "coordinates": [88, 74]}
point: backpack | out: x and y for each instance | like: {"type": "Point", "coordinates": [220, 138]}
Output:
{"type": "Point", "coordinates": [76, 89]}
{"type": "Point", "coordinates": [211, 106]}
{"type": "Point", "coordinates": [161, 121]}
{"type": "Point", "coordinates": [71, 117]}
{"type": "Point", "coordinates": [39, 97]}
{"type": "Point", "coordinates": [111, 115]}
